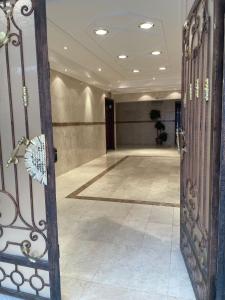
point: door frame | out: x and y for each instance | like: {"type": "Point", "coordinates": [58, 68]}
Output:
{"type": "Point", "coordinates": [217, 148]}
{"type": "Point", "coordinates": [112, 134]}
{"type": "Point", "coordinates": [178, 104]}
{"type": "Point", "coordinates": [43, 65]}
{"type": "Point", "coordinates": [43, 68]}
{"type": "Point", "coordinates": [220, 280]}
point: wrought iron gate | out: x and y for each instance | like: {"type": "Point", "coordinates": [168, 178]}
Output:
{"type": "Point", "coordinates": [29, 255]}
{"type": "Point", "coordinates": [201, 139]}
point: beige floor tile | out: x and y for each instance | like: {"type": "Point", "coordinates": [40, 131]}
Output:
{"type": "Point", "coordinates": [179, 284]}
{"type": "Point", "coordinates": [106, 292]}
{"type": "Point", "coordinates": [72, 288]}
{"type": "Point", "coordinates": [123, 251]}
{"type": "Point", "coordinates": [175, 298]}
{"type": "Point", "coordinates": [180, 287]}
{"type": "Point", "coordinates": [176, 217]}
{"type": "Point", "coordinates": [161, 214]}
{"type": "Point", "coordinates": [133, 268]}
{"type": "Point", "coordinates": [158, 236]}
{"type": "Point", "coordinates": [3, 297]}
{"type": "Point", "coordinates": [139, 178]}
{"type": "Point", "coordinates": [176, 238]}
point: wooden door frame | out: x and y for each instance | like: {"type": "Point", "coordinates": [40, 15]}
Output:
{"type": "Point", "coordinates": [113, 103]}
{"type": "Point", "coordinates": [52, 265]}
{"type": "Point", "coordinates": [177, 103]}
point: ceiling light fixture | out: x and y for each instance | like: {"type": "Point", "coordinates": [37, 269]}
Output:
{"type": "Point", "coordinates": [136, 71]}
{"type": "Point", "coordinates": [66, 70]}
{"type": "Point", "coordinates": [162, 68]}
{"type": "Point", "coordinates": [65, 48]}
{"type": "Point", "coordinates": [156, 52]}
{"type": "Point", "coordinates": [123, 56]}
{"type": "Point", "coordinates": [101, 31]}
{"type": "Point", "coordinates": [146, 25]}
{"type": "Point", "coordinates": [153, 78]}
{"type": "Point", "coordinates": [99, 69]}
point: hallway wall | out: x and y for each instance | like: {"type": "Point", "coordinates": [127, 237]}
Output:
{"type": "Point", "coordinates": [134, 126]}
{"type": "Point", "coordinates": [147, 96]}
{"type": "Point", "coordinates": [78, 113]}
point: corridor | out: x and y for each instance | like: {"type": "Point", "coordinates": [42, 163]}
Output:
{"type": "Point", "coordinates": [114, 247]}
{"type": "Point", "coordinates": [112, 150]}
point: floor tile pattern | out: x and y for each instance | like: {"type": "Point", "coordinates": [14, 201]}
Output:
{"type": "Point", "coordinates": [136, 179]}
{"type": "Point", "coordinates": [120, 251]}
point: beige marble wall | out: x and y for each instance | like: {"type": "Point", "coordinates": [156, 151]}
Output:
{"type": "Point", "coordinates": [134, 126]}
{"type": "Point", "coordinates": [147, 96]}
{"type": "Point", "coordinates": [80, 104]}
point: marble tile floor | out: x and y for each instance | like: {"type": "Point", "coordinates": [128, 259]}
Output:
{"type": "Point", "coordinates": [72, 180]}
{"type": "Point", "coordinates": [118, 251]}
{"type": "Point", "coordinates": [121, 251]}
{"type": "Point", "coordinates": [4, 297]}
{"type": "Point", "coordinates": [140, 178]}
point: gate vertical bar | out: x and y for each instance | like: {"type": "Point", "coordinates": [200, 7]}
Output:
{"type": "Point", "coordinates": [46, 122]}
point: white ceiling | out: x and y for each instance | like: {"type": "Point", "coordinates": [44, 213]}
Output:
{"type": "Point", "coordinates": [72, 23]}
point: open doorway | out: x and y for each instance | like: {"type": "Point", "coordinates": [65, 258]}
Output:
{"type": "Point", "coordinates": [110, 126]}
{"type": "Point", "coordinates": [119, 213]}
{"type": "Point", "coordinates": [125, 206]}
{"type": "Point", "coordinates": [127, 228]}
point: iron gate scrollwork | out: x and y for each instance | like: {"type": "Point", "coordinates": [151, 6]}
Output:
{"type": "Point", "coordinates": [25, 268]}
{"type": "Point", "coordinates": [195, 165]}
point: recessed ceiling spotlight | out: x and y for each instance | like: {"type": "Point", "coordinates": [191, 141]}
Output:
{"type": "Point", "coordinates": [99, 69]}
{"type": "Point", "coordinates": [65, 48]}
{"type": "Point", "coordinates": [162, 68]}
{"type": "Point", "coordinates": [136, 71]}
{"type": "Point", "coordinates": [123, 56]}
{"type": "Point", "coordinates": [146, 25]}
{"type": "Point", "coordinates": [156, 52]}
{"type": "Point", "coordinates": [153, 78]}
{"type": "Point", "coordinates": [66, 70]}
{"type": "Point", "coordinates": [101, 31]}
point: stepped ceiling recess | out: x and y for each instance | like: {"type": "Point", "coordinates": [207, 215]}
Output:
{"type": "Point", "coordinates": [119, 45]}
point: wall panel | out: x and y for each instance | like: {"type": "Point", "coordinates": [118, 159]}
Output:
{"type": "Point", "coordinates": [78, 121]}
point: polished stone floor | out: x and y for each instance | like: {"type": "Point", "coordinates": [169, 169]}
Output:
{"type": "Point", "coordinates": [121, 251]}
{"type": "Point", "coordinates": [140, 178]}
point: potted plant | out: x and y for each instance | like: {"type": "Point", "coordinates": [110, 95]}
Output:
{"type": "Point", "coordinates": [162, 136]}
{"type": "Point", "coordinates": [155, 115]}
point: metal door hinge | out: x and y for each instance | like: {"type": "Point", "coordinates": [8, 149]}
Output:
{"type": "Point", "coordinates": [190, 91]}
{"type": "Point", "coordinates": [197, 88]}
{"type": "Point", "coordinates": [25, 96]}
{"type": "Point", "coordinates": [206, 90]}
